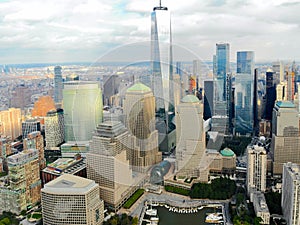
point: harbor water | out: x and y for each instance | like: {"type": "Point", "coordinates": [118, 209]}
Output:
{"type": "Point", "coordinates": [167, 217]}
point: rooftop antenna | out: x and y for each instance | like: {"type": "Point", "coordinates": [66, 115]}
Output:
{"type": "Point", "coordinates": [160, 7]}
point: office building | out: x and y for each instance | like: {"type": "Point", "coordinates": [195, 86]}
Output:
{"type": "Point", "coordinates": [278, 68]}
{"type": "Point", "coordinates": [222, 69]}
{"type": "Point", "coordinates": [54, 128]}
{"type": "Point", "coordinates": [82, 103]}
{"type": "Point", "coordinates": [280, 91]}
{"type": "Point", "coordinates": [111, 85]}
{"type": "Point", "coordinates": [270, 94]}
{"type": "Point", "coordinates": [73, 200]}
{"type": "Point", "coordinates": [161, 58]}
{"type": "Point", "coordinates": [10, 123]}
{"type": "Point", "coordinates": [75, 166]}
{"type": "Point", "coordinates": [190, 136]}
{"type": "Point", "coordinates": [260, 207]}
{"type": "Point", "coordinates": [221, 88]}
{"type": "Point", "coordinates": [290, 88]}
{"type": "Point", "coordinates": [108, 166]}
{"type": "Point", "coordinates": [244, 93]}
{"type": "Point", "coordinates": [43, 105]}
{"type": "Point", "coordinates": [223, 162]}
{"type": "Point", "coordinates": [208, 99]}
{"type": "Point", "coordinates": [139, 111]}
{"type": "Point", "coordinates": [29, 126]}
{"type": "Point", "coordinates": [24, 177]}
{"type": "Point", "coordinates": [285, 145]}
{"type": "Point", "coordinates": [290, 198]}
{"type": "Point", "coordinates": [256, 168]}
{"type": "Point", "coordinates": [35, 140]}
{"type": "Point", "coordinates": [58, 84]}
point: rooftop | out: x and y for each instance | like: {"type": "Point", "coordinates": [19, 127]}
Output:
{"type": "Point", "coordinates": [190, 99]}
{"type": "Point", "coordinates": [227, 152]}
{"type": "Point", "coordinates": [285, 104]}
{"type": "Point", "coordinates": [65, 165]}
{"type": "Point", "coordinates": [69, 184]}
{"type": "Point", "coordinates": [139, 87]}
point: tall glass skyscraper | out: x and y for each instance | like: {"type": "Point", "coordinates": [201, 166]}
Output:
{"type": "Point", "coordinates": [244, 91]}
{"type": "Point", "coordinates": [161, 57]}
{"type": "Point", "coordinates": [222, 88]}
{"type": "Point", "coordinates": [58, 84]}
{"type": "Point", "coordinates": [222, 66]}
{"type": "Point", "coordinates": [82, 103]}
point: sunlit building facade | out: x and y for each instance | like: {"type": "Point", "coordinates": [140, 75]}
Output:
{"type": "Point", "coordinates": [73, 200]}
{"type": "Point", "coordinates": [82, 103]}
{"type": "Point", "coordinates": [10, 123]}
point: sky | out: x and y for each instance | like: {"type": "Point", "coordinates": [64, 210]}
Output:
{"type": "Point", "coordinates": [94, 30]}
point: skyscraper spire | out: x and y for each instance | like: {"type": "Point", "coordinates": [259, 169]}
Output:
{"type": "Point", "coordinates": [160, 7]}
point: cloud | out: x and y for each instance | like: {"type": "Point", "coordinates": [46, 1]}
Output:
{"type": "Point", "coordinates": [82, 30]}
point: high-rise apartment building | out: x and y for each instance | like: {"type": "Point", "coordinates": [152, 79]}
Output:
{"type": "Point", "coordinates": [256, 168]}
{"type": "Point", "coordinates": [161, 58]}
{"type": "Point", "coordinates": [107, 163]}
{"type": "Point", "coordinates": [35, 140]}
{"type": "Point", "coordinates": [290, 198]}
{"type": "Point", "coordinates": [285, 145]}
{"type": "Point", "coordinates": [190, 136]}
{"type": "Point", "coordinates": [24, 177]}
{"type": "Point", "coordinates": [29, 126]}
{"type": "Point", "coordinates": [244, 91]}
{"type": "Point", "coordinates": [82, 103]}
{"type": "Point", "coordinates": [10, 123]}
{"type": "Point", "coordinates": [54, 128]}
{"type": "Point", "coordinates": [139, 111]}
{"type": "Point", "coordinates": [70, 199]}
{"type": "Point", "coordinates": [58, 84]}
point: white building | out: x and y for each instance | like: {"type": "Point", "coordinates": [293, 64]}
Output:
{"type": "Point", "coordinates": [190, 136]}
{"type": "Point", "coordinates": [256, 169]}
{"type": "Point", "coordinates": [73, 200]}
{"type": "Point", "coordinates": [261, 208]}
{"type": "Point", "coordinates": [290, 198]}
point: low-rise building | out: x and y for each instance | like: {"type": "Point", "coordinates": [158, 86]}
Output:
{"type": "Point", "coordinates": [261, 208]}
{"type": "Point", "coordinates": [75, 166]}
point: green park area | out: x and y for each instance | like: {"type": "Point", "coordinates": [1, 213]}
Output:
{"type": "Point", "coordinates": [133, 198]}
{"type": "Point", "coordinates": [220, 188]}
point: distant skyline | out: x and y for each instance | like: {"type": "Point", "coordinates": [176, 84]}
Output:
{"type": "Point", "coordinates": [35, 31]}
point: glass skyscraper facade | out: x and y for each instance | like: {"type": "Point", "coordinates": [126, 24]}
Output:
{"type": "Point", "coordinates": [222, 88]}
{"type": "Point", "coordinates": [82, 102]}
{"type": "Point", "coordinates": [244, 93]}
{"type": "Point", "coordinates": [222, 69]}
{"type": "Point", "coordinates": [161, 57]}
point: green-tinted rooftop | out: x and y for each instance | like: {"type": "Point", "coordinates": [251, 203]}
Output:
{"type": "Point", "coordinates": [285, 104]}
{"type": "Point", "coordinates": [139, 87]}
{"type": "Point", "coordinates": [227, 152]}
{"type": "Point", "coordinates": [190, 99]}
